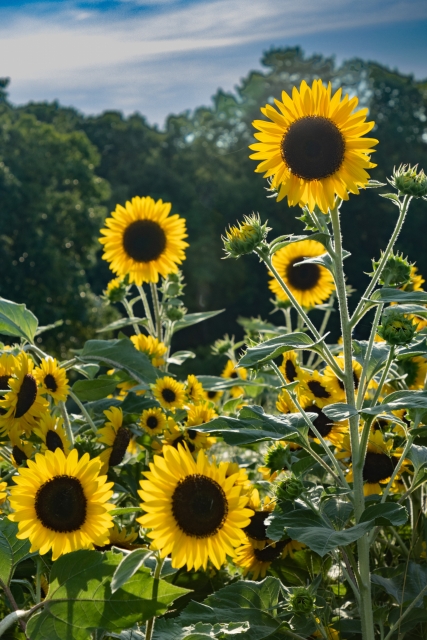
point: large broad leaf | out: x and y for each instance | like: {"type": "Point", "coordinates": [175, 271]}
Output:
{"type": "Point", "coordinates": [399, 400]}
{"type": "Point", "coordinates": [378, 358]}
{"type": "Point", "coordinates": [89, 390]}
{"type": "Point", "coordinates": [272, 348]}
{"type": "Point", "coordinates": [17, 320]}
{"type": "Point", "coordinates": [128, 567]}
{"type": "Point", "coordinates": [121, 323]}
{"type": "Point", "coordinates": [253, 425]}
{"type": "Point", "coordinates": [407, 585]}
{"type": "Point", "coordinates": [418, 456]}
{"type": "Point", "coordinates": [195, 318]}
{"type": "Point", "coordinates": [339, 411]}
{"type": "Point", "coordinates": [216, 383]}
{"type": "Point", "coordinates": [386, 513]}
{"type": "Point", "coordinates": [387, 295]}
{"type": "Point", "coordinates": [80, 598]}
{"type": "Point", "coordinates": [12, 550]}
{"type": "Point", "coordinates": [121, 354]}
{"type": "Point", "coordinates": [242, 602]}
{"type": "Point", "coordinates": [308, 527]}
{"type": "Point", "coordinates": [181, 356]}
{"type": "Point", "coordinates": [168, 629]}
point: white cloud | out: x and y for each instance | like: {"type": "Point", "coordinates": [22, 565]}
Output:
{"type": "Point", "coordinates": [119, 59]}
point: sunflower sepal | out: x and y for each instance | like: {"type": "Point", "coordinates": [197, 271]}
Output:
{"type": "Point", "coordinates": [408, 181]}
{"type": "Point", "coordinates": [246, 237]}
{"type": "Point", "coordinates": [396, 271]}
{"type": "Point", "coordinates": [396, 328]}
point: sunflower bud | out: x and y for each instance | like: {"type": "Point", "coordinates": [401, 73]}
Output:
{"type": "Point", "coordinates": [409, 181]}
{"type": "Point", "coordinates": [175, 312]}
{"type": "Point", "coordinates": [290, 489]}
{"type": "Point", "coordinates": [396, 272]}
{"type": "Point", "coordinates": [117, 290]}
{"type": "Point", "coordinates": [223, 346]}
{"type": "Point", "coordinates": [277, 457]}
{"type": "Point", "coordinates": [302, 601]}
{"type": "Point", "coordinates": [246, 237]}
{"type": "Point", "coordinates": [396, 328]}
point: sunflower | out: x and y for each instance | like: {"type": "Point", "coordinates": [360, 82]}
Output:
{"type": "Point", "coordinates": [197, 415]}
{"type": "Point", "coordinates": [336, 386]}
{"type": "Point", "coordinates": [335, 432]}
{"type": "Point", "coordinates": [256, 560]}
{"type": "Point", "coordinates": [116, 436]}
{"type": "Point", "coordinates": [51, 432]}
{"type": "Point", "coordinates": [233, 372]}
{"type": "Point", "coordinates": [416, 281]}
{"type": "Point", "coordinates": [313, 148]}
{"type": "Point", "coordinates": [7, 367]}
{"type": "Point", "coordinates": [213, 396]}
{"type": "Point", "coordinates": [257, 529]}
{"type": "Point", "coordinates": [60, 503]}
{"type": "Point", "coordinates": [21, 450]}
{"type": "Point", "coordinates": [309, 283]}
{"type": "Point", "coordinates": [120, 538]}
{"type": "Point", "coordinates": [23, 404]}
{"type": "Point", "coordinates": [194, 390]}
{"type": "Point", "coordinates": [152, 348]}
{"type": "Point", "coordinates": [169, 393]}
{"type": "Point", "coordinates": [52, 379]}
{"type": "Point", "coordinates": [194, 512]}
{"type": "Point", "coordinates": [290, 366]}
{"type": "Point", "coordinates": [241, 476]}
{"type": "Point", "coordinates": [3, 492]}
{"type": "Point", "coordinates": [313, 388]}
{"type": "Point", "coordinates": [415, 370]}
{"type": "Point", "coordinates": [142, 240]}
{"type": "Point", "coordinates": [380, 462]}
{"type": "Point", "coordinates": [153, 421]}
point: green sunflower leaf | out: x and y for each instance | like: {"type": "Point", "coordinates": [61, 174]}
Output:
{"type": "Point", "coordinates": [216, 383]}
{"type": "Point", "coordinates": [253, 425]}
{"type": "Point", "coordinates": [387, 513]}
{"type": "Point", "coordinates": [405, 586]}
{"type": "Point", "coordinates": [89, 390]}
{"type": "Point", "coordinates": [339, 411]}
{"type": "Point", "coordinates": [387, 295]}
{"type": "Point", "coordinates": [121, 354]}
{"type": "Point", "coordinates": [80, 598]}
{"type": "Point", "coordinates": [274, 347]}
{"type": "Point", "coordinates": [181, 356]}
{"type": "Point", "coordinates": [128, 567]}
{"type": "Point", "coordinates": [17, 320]}
{"type": "Point", "coordinates": [12, 550]}
{"type": "Point", "coordinates": [379, 355]}
{"type": "Point", "coordinates": [399, 400]}
{"type": "Point", "coordinates": [418, 456]}
{"type": "Point", "coordinates": [195, 318]}
{"type": "Point", "coordinates": [121, 323]}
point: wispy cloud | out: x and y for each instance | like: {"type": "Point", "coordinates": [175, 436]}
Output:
{"type": "Point", "coordinates": [134, 54]}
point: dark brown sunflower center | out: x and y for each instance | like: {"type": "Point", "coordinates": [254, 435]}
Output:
{"type": "Point", "coordinates": [270, 553]}
{"type": "Point", "coordinates": [192, 433]}
{"type": "Point", "coordinates": [120, 445]}
{"type": "Point", "coordinates": [152, 422]}
{"type": "Point", "coordinates": [234, 374]}
{"type": "Point", "coordinates": [322, 423]}
{"type": "Point", "coordinates": [199, 506]}
{"type": "Point", "coordinates": [181, 440]}
{"type": "Point", "coordinates": [61, 504]}
{"type": "Point", "coordinates": [53, 441]}
{"type": "Point", "coordinates": [290, 371]}
{"type": "Point", "coordinates": [257, 529]}
{"type": "Point", "coordinates": [27, 395]}
{"type": "Point", "coordinates": [50, 382]}
{"type": "Point", "coordinates": [19, 455]}
{"type": "Point", "coordinates": [168, 395]}
{"type": "Point", "coordinates": [378, 467]}
{"type": "Point", "coordinates": [313, 148]}
{"type": "Point", "coordinates": [212, 394]}
{"type": "Point", "coordinates": [302, 277]}
{"type": "Point", "coordinates": [355, 382]}
{"type": "Point", "coordinates": [317, 389]}
{"type": "Point", "coordinates": [4, 383]}
{"type": "Point", "coordinates": [144, 240]}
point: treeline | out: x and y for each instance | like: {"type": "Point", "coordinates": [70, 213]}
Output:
{"type": "Point", "coordinates": [62, 172]}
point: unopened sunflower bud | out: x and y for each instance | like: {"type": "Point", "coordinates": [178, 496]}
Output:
{"type": "Point", "coordinates": [396, 272]}
{"type": "Point", "coordinates": [301, 601]}
{"type": "Point", "coordinates": [277, 457]}
{"type": "Point", "coordinates": [290, 489]}
{"type": "Point", "coordinates": [246, 237]}
{"type": "Point", "coordinates": [117, 290]}
{"type": "Point", "coordinates": [409, 181]}
{"type": "Point", "coordinates": [175, 313]}
{"type": "Point", "coordinates": [223, 345]}
{"type": "Point", "coordinates": [396, 328]}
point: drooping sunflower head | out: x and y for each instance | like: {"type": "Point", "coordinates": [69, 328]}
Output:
{"type": "Point", "coordinates": [194, 512]}
{"type": "Point", "coordinates": [416, 370]}
{"type": "Point", "coordinates": [50, 430]}
{"type": "Point", "coordinates": [169, 393]}
{"type": "Point", "coordinates": [60, 503]}
{"type": "Point", "coordinates": [153, 421]}
{"type": "Point", "coordinates": [143, 241]}
{"type": "Point", "coordinates": [23, 404]}
{"type": "Point", "coordinates": [312, 146]}
{"type": "Point", "coordinates": [152, 347]}
{"type": "Point", "coordinates": [52, 379]}
{"type": "Point", "coordinates": [309, 283]}
{"type": "Point", "coordinates": [115, 436]}
{"type": "Point", "coordinates": [290, 366]}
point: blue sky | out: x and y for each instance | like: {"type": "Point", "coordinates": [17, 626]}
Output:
{"type": "Point", "coordinates": [164, 56]}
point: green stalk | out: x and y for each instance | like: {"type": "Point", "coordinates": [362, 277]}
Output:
{"type": "Point", "coordinates": [405, 613]}
{"type": "Point", "coordinates": [384, 375]}
{"type": "Point", "coordinates": [129, 311]}
{"type": "Point", "coordinates": [156, 308]}
{"type": "Point", "coordinates": [359, 500]}
{"type": "Point", "coordinates": [361, 307]}
{"type": "Point", "coordinates": [150, 623]}
{"type": "Point", "coordinates": [323, 326]}
{"type": "Point", "coordinates": [67, 423]}
{"type": "Point", "coordinates": [148, 315]}
{"type": "Point", "coordinates": [363, 382]}
{"type": "Point", "coordinates": [84, 412]}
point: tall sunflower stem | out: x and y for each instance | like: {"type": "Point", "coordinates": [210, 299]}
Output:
{"type": "Point", "coordinates": [323, 326]}
{"type": "Point", "coordinates": [129, 311]}
{"type": "Point", "coordinates": [384, 375]}
{"type": "Point", "coordinates": [156, 307]}
{"type": "Point", "coordinates": [362, 307]}
{"type": "Point", "coordinates": [84, 412]}
{"type": "Point", "coordinates": [67, 423]}
{"type": "Point", "coordinates": [151, 329]}
{"type": "Point", "coordinates": [368, 632]}
{"type": "Point", "coordinates": [38, 579]}
{"type": "Point", "coordinates": [327, 355]}
{"type": "Point", "coordinates": [397, 467]}
{"type": "Point", "coordinates": [363, 376]}
{"type": "Point", "coordinates": [150, 623]}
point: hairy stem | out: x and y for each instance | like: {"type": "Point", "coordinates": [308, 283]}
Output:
{"type": "Point", "coordinates": [84, 412]}
{"type": "Point", "coordinates": [147, 310]}
{"type": "Point", "coordinates": [67, 423]}
{"type": "Point", "coordinates": [156, 308]}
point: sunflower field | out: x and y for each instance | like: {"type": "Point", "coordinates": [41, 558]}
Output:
{"type": "Point", "coordinates": [283, 498]}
